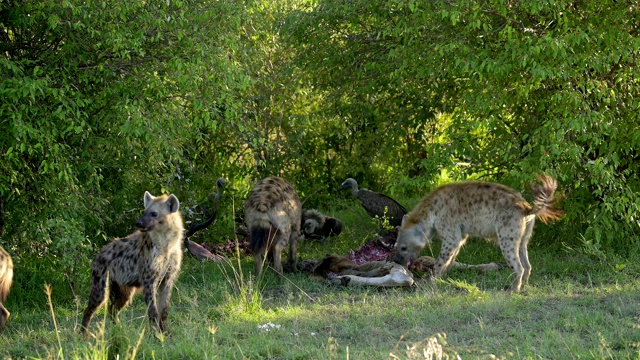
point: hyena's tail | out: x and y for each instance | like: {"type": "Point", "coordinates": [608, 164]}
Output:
{"type": "Point", "coordinates": [543, 199]}
{"type": "Point", "coordinates": [260, 231]}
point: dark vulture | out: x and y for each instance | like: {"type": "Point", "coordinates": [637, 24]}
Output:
{"type": "Point", "coordinates": [375, 204]}
{"type": "Point", "coordinates": [318, 226]}
{"type": "Point", "coordinates": [220, 184]}
{"type": "Point", "coordinates": [195, 248]}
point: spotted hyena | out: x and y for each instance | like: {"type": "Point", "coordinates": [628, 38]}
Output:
{"type": "Point", "coordinates": [483, 209]}
{"type": "Point", "coordinates": [272, 213]}
{"type": "Point", "coordinates": [147, 260]}
{"type": "Point", "coordinates": [6, 279]}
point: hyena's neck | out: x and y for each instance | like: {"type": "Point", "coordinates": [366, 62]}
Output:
{"type": "Point", "coordinates": [419, 214]}
{"type": "Point", "coordinates": [170, 234]}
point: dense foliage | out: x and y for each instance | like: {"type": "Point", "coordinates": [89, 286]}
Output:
{"type": "Point", "coordinates": [100, 102]}
{"type": "Point", "coordinates": [493, 89]}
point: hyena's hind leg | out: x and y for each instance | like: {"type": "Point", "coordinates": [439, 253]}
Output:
{"type": "Point", "coordinates": [278, 248]}
{"type": "Point", "coordinates": [96, 300]}
{"type": "Point", "coordinates": [121, 296]}
{"type": "Point", "coordinates": [293, 247]}
{"type": "Point", "coordinates": [261, 247]}
{"type": "Point", "coordinates": [4, 317]}
{"type": "Point", "coordinates": [524, 254]}
{"type": "Point", "coordinates": [259, 259]}
{"type": "Point", "coordinates": [509, 239]}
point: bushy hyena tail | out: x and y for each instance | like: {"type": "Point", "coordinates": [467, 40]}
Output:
{"type": "Point", "coordinates": [543, 199]}
{"type": "Point", "coordinates": [261, 232]}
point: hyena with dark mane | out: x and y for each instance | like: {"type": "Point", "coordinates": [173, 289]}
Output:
{"type": "Point", "coordinates": [483, 209]}
{"type": "Point", "coordinates": [272, 213]}
{"type": "Point", "coordinates": [149, 259]}
{"type": "Point", "coordinates": [6, 279]}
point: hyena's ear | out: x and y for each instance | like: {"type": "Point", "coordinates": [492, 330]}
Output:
{"type": "Point", "coordinates": [148, 198]}
{"type": "Point", "coordinates": [404, 220]}
{"type": "Point", "coordinates": [173, 203]}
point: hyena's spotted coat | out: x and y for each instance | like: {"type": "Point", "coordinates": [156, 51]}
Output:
{"type": "Point", "coordinates": [272, 213]}
{"type": "Point", "coordinates": [149, 259]}
{"type": "Point", "coordinates": [472, 208]}
{"type": "Point", "coordinates": [6, 279]}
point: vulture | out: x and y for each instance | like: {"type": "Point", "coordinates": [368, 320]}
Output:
{"type": "Point", "coordinates": [375, 204]}
{"type": "Point", "coordinates": [220, 184]}
{"type": "Point", "coordinates": [195, 248]}
{"type": "Point", "coordinates": [318, 226]}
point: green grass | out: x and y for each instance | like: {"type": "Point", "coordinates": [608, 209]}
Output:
{"type": "Point", "coordinates": [575, 307]}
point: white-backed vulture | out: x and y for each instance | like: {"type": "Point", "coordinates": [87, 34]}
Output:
{"type": "Point", "coordinates": [376, 204]}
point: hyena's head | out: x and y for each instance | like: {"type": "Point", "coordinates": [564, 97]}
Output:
{"type": "Point", "coordinates": [158, 211]}
{"type": "Point", "coordinates": [410, 242]}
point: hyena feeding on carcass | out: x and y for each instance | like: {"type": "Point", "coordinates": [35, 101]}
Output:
{"type": "Point", "coordinates": [272, 213]}
{"type": "Point", "coordinates": [149, 259]}
{"type": "Point", "coordinates": [6, 279]}
{"type": "Point", "coordinates": [473, 208]}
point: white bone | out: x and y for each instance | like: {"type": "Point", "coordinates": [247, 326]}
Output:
{"type": "Point", "coordinates": [398, 276]}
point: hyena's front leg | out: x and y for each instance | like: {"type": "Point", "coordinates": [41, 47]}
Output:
{"type": "Point", "coordinates": [164, 297]}
{"type": "Point", "coordinates": [150, 291]}
{"type": "Point", "coordinates": [450, 248]}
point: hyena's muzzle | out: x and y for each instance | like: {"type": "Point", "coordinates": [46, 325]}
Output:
{"type": "Point", "coordinates": [403, 259]}
{"type": "Point", "coordinates": [399, 259]}
{"type": "Point", "coordinates": [148, 221]}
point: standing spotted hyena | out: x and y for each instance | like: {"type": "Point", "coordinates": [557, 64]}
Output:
{"type": "Point", "coordinates": [473, 208]}
{"type": "Point", "coordinates": [149, 259]}
{"type": "Point", "coordinates": [6, 279]}
{"type": "Point", "coordinates": [272, 213]}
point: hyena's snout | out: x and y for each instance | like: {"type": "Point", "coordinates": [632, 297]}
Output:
{"type": "Point", "coordinates": [147, 222]}
{"type": "Point", "coordinates": [401, 259]}
{"type": "Point", "coordinates": [403, 256]}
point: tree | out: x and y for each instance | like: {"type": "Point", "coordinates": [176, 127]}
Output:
{"type": "Point", "coordinates": [99, 103]}
{"type": "Point", "coordinates": [529, 87]}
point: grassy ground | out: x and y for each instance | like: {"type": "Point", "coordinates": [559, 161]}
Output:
{"type": "Point", "coordinates": [576, 307]}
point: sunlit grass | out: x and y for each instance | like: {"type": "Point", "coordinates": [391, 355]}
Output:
{"type": "Point", "coordinates": [576, 306]}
